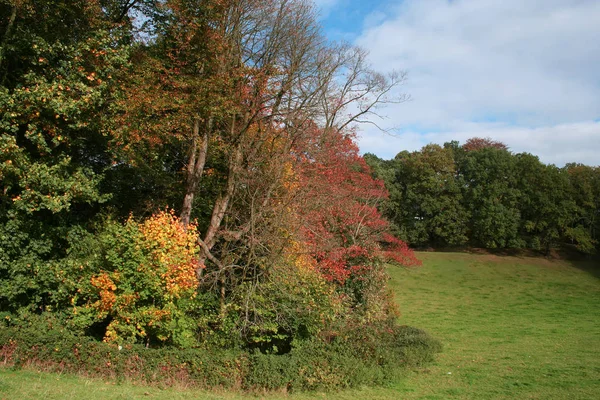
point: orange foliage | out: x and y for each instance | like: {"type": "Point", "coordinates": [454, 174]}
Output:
{"type": "Point", "coordinates": [107, 293]}
{"type": "Point", "coordinates": [174, 249]}
{"type": "Point", "coordinates": [141, 299]}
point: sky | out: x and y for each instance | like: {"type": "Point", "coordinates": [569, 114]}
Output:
{"type": "Point", "coordinates": [524, 72]}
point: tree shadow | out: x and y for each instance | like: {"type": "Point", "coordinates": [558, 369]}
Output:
{"type": "Point", "coordinates": [589, 263]}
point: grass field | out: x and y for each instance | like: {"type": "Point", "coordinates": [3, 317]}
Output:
{"type": "Point", "coordinates": [512, 328]}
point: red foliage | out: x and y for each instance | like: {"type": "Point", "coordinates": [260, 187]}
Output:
{"type": "Point", "coordinates": [341, 224]}
{"type": "Point", "coordinates": [398, 251]}
{"type": "Point", "coordinates": [478, 143]}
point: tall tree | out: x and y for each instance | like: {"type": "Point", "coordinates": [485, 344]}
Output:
{"type": "Point", "coordinates": [427, 198]}
{"type": "Point", "coordinates": [546, 205]}
{"type": "Point", "coordinates": [57, 66]}
{"type": "Point", "coordinates": [492, 198]}
{"type": "Point", "coordinates": [241, 73]}
{"type": "Point", "coordinates": [477, 143]}
{"type": "Point", "coordinates": [585, 186]}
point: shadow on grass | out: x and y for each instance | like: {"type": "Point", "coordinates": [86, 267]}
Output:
{"type": "Point", "coordinates": [589, 263]}
{"type": "Point", "coordinates": [592, 266]}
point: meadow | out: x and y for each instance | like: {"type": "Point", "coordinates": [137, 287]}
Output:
{"type": "Point", "coordinates": [512, 328]}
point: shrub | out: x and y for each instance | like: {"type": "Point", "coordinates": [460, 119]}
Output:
{"type": "Point", "coordinates": [292, 303]}
{"type": "Point", "coordinates": [363, 356]}
{"type": "Point", "coordinates": [40, 341]}
{"type": "Point", "coordinates": [368, 355]}
{"type": "Point", "coordinates": [139, 282]}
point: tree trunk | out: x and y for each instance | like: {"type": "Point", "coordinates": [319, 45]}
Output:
{"type": "Point", "coordinates": [11, 22]}
{"type": "Point", "coordinates": [222, 202]}
{"type": "Point", "coordinates": [219, 210]}
{"type": "Point", "coordinates": [195, 168]}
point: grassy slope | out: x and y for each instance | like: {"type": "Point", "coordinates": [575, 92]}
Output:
{"type": "Point", "coordinates": [511, 327]}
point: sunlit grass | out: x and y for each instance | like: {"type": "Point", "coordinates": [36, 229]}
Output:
{"type": "Point", "coordinates": [512, 328]}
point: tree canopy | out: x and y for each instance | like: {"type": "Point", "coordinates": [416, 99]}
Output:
{"type": "Point", "coordinates": [481, 194]}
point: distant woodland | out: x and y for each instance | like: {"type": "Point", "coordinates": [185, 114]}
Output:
{"type": "Point", "coordinates": [481, 194]}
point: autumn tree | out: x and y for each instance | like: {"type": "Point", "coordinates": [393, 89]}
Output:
{"type": "Point", "coordinates": [238, 114]}
{"type": "Point", "coordinates": [341, 226]}
{"type": "Point", "coordinates": [242, 76]}
{"type": "Point", "coordinates": [478, 143]}
{"type": "Point", "coordinates": [222, 99]}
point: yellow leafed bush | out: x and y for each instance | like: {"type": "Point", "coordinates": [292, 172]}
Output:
{"type": "Point", "coordinates": [144, 282]}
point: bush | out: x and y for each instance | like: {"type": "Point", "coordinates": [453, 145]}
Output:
{"type": "Point", "coordinates": [364, 356]}
{"type": "Point", "coordinates": [41, 343]}
{"type": "Point", "coordinates": [314, 366]}
{"type": "Point", "coordinates": [293, 303]}
{"type": "Point", "coordinates": [389, 345]}
{"type": "Point", "coordinates": [136, 282]}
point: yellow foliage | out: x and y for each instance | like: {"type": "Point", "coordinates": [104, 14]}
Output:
{"type": "Point", "coordinates": [289, 178]}
{"type": "Point", "coordinates": [175, 251]}
{"type": "Point", "coordinates": [167, 271]}
{"type": "Point", "coordinates": [108, 297]}
{"type": "Point", "coordinates": [295, 256]}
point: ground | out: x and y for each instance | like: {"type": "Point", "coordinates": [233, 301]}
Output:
{"type": "Point", "coordinates": [512, 328]}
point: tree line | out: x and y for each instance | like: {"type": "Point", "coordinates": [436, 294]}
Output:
{"type": "Point", "coordinates": [483, 195]}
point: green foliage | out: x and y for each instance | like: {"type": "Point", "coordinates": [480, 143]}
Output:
{"type": "Point", "coordinates": [492, 198]}
{"type": "Point", "coordinates": [56, 76]}
{"type": "Point", "coordinates": [139, 281]}
{"type": "Point", "coordinates": [584, 230]}
{"type": "Point", "coordinates": [358, 358]}
{"type": "Point", "coordinates": [377, 353]}
{"type": "Point", "coordinates": [295, 303]}
{"type": "Point", "coordinates": [582, 239]}
{"type": "Point", "coordinates": [483, 195]}
{"type": "Point", "coordinates": [44, 341]}
{"type": "Point", "coordinates": [546, 204]}
{"type": "Point", "coordinates": [429, 205]}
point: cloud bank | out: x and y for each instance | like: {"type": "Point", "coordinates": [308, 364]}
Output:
{"type": "Point", "coordinates": [523, 72]}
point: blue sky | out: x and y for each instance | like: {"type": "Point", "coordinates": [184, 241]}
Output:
{"type": "Point", "coordinates": [344, 19]}
{"type": "Point", "coordinates": [526, 72]}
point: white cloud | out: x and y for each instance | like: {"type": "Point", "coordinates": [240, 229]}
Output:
{"type": "Point", "coordinates": [558, 144]}
{"type": "Point", "coordinates": [523, 72]}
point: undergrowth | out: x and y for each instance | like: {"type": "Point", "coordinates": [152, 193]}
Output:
{"type": "Point", "coordinates": [362, 356]}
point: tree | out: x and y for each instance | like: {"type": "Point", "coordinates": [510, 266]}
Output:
{"type": "Point", "coordinates": [219, 110]}
{"type": "Point", "coordinates": [247, 80]}
{"type": "Point", "coordinates": [56, 78]}
{"type": "Point", "coordinates": [427, 199]}
{"type": "Point", "coordinates": [492, 198]}
{"type": "Point", "coordinates": [545, 205]}
{"type": "Point", "coordinates": [478, 143]}
{"type": "Point", "coordinates": [336, 203]}
{"type": "Point", "coordinates": [585, 192]}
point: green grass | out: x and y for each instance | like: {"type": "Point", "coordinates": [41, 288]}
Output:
{"type": "Point", "coordinates": [512, 328]}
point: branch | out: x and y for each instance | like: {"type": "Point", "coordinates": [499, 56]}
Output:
{"type": "Point", "coordinates": [209, 255]}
